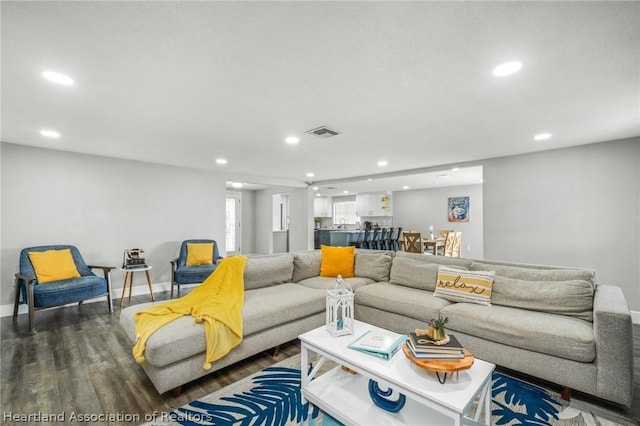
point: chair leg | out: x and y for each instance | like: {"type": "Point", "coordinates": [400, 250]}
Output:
{"type": "Point", "coordinates": [109, 299]}
{"type": "Point", "coordinates": [172, 283]}
{"type": "Point", "coordinates": [32, 313]}
{"type": "Point", "coordinates": [17, 300]}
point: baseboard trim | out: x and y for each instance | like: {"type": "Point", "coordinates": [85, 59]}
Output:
{"type": "Point", "coordinates": [138, 290]}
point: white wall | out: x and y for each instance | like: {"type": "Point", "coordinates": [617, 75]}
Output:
{"type": "Point", "coordinates": [103, 206]}
{"type": "Point", "coordinates": [417, 209]}
{"type": "Point", "coordinates": [299, 225]}
{"type": "Point", "coordinates": [573, 207]}
{"type": "Point", "coordinates": [248, 222]}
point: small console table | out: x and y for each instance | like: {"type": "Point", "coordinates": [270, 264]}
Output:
{"type": "Point", "coordinates": [128, 277]}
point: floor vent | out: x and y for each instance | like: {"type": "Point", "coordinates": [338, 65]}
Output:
{"type": "Point", "coordinates": [323, 132]}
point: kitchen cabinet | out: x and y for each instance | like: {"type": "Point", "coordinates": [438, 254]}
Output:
{"type": "Point", "coordinates": [373, 204]}
{"type": "Point", "coordinates": [322, 207]}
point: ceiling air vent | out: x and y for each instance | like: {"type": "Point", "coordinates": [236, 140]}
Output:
{"type": "Point", "coordinates": [323, 132]}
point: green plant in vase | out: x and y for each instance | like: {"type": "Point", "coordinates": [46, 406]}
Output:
{"type": "Point", "coordinates": [436, 328]}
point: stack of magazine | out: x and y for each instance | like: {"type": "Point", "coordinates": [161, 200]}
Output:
{"type": "Point", "coordinates": [424, 348]}
{"type": "Point", "coordinates": [381, 343]}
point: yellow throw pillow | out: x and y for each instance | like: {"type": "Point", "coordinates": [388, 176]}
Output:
{"type": "Point", "coordinates": [337, 261]}
{"type": "Point", "coordinates": [464, 286]}
{"type": "Point", "coordinates": [53, 265]}
{"type": "Point", "coordinates": [199, 254]}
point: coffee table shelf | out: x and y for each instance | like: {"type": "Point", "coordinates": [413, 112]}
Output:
{"type": "Point", "coordinates": [345, 396]}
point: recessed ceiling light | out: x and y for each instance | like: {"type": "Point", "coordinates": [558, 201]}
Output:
{"type": "Point", "coordinates": [317, 195]}
{"type": "Point", "coordinates": [50, 133]}
{"type": "Point", "coordinates": [58, 78]}
{"type": "Point", "coordinates": [455, 169]}
{"type": "Point", "coordinates": [345, 192]}
{"type": "Point", "coordinates": [310, 174]}
{"type": "Point", "coordinates": [405, 187]}
{"type": "Point", "coordinates": [507, 68]}
{"type": "Point", "coordinates": [292, 140]}
{"type": "Point", "coordinates": [369, 180]}
{"type": "Point", "coordinates": [542, 136]}
{"type": "Point", "coordinates": [221, 161]}
{"type": "Point", "coordinates": [315, 188]}
{"type": "Point", "coordinates": [237, 184]}
{"type": "Point", "coordinates": [382, 163]}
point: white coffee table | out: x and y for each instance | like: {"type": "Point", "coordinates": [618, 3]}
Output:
{"type": "Point", "coordinates": [345, 396]}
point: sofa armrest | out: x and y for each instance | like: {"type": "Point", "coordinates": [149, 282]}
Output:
{"type": "Point", "coordinates": [613, 333]}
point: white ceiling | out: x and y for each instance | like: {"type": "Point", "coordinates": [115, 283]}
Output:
{"type": "Point", "coordinates": [183, 83]}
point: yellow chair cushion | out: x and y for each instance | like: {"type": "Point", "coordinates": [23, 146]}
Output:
{"type": "Point", "coordinates": [53, 265]}
{"type": "Point", "coordinates": [199, 254]}
{"type": "Point", "coordinates": [337, 261]}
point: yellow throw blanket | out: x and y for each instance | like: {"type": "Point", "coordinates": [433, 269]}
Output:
{"type": "Point", "coordinates": [217, 301]}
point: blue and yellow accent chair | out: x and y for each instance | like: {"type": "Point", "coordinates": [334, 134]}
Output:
{"type": "Point", "coordinates": [196, 261]}
{"type": "Point", "coordinates": [57, 275]}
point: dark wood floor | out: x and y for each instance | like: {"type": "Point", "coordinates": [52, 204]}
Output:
{"type": "Point", "coordinates": [80, 362]}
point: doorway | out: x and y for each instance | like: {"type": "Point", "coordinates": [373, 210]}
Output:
{"type": "Point", "coordinates": [233, 223]}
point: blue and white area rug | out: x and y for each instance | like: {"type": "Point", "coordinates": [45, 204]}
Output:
{"type": "Point", "coordinates": [272, 397]}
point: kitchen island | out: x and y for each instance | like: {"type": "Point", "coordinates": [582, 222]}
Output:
{"type": "Point", "coordinates": [337, 237]}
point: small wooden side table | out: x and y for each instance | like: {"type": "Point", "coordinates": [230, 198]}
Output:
{"type": "Point", "coordinates": [128, 277]}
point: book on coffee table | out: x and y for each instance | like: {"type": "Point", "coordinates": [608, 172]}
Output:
{"type": "Point", "coordinates": [423, 343]}
{"type": "Point", "coordinates": [383, 344]}
{"type": "Point", "coordinates": [438, 354]}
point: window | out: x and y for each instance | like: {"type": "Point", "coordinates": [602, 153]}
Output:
{"type": "Point", "coordinates": [344, 211]}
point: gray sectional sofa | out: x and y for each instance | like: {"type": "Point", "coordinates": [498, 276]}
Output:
{"type": "Point", "coordinates": [549, 322]}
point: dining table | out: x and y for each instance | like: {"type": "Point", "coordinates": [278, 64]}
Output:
{"type": "Point", "coordinates": [431, 245]}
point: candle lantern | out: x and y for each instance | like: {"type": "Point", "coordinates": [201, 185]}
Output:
{"type": "Point", "coordinates": [339, 313]}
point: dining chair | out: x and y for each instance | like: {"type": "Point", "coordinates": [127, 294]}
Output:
{"type": "Point", "coordinates": [387, 239]}
{"type": "Point", "coordinates": [359, 242]}
{"type": "Point", "coordinates": [442, 233]}
{"type": "Point", "coordinates": [383, 236]}
{"type": "Point", "coordinates": [371, 239]}
{"type": "Point", "coordinates": [412, 242]}
{"type": "Point", "coordinates": [452, 244]}
{"type": "Point", "coordinates": [394, 239]}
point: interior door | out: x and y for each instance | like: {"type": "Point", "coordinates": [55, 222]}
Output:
{"type": "Point", "coordinates": [234, 223]}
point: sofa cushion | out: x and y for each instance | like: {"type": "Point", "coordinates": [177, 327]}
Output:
{"type": "Point", "coordinates": [441, 260]}
{"type": "Point", "coordinates": [306, 265]}
{"type": "Point", "coordinates": [373, 265]}
{"type": "Point", "coordinates": [267, 270]}
{"type": "Point", "coordinates": [572, 298]}
{"type": "Point", "coordinates": [464, 286]}
{"type": "Point", "coordinates": [535, 273]}
{"type": "Point", "coordinates": [555, 335]}
{"type": "Point", "coordinates": [413, 273]}
{"type": "Point", "coordinates": [402, 300]}
{"type": "Point", "coordinates": [329, 283]}
{"type": "Point", "coordinates": [193, 274]}
{"type": "Point", "coordinates": [263, 308]}
{"type": "Point", "coordinates": [199, 254]}
{"type": "Point", "coordinates": [337, 261]}
{"type": "Point", "coordinates": [67, 291]}
{"type": "Point", "coordinates": [53, 265]}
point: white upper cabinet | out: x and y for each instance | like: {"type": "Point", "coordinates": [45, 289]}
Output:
{"type": "Point", "coordinates": [322, 207]}
{"type": "Point", "coordinates": [373, 204]}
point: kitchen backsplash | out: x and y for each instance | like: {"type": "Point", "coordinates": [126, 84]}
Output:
{"type": "Point", "coordinates": [382, 221]}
